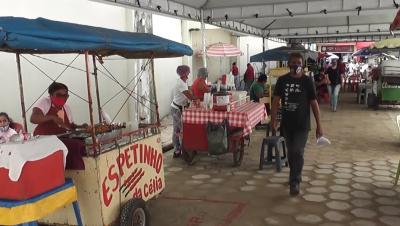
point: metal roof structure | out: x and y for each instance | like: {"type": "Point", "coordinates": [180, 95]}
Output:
{"type": "Point", "coordinates": [291, 20]}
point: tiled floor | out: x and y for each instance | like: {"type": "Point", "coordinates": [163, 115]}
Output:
{"type": "Point", "coordinates": [347, 183]}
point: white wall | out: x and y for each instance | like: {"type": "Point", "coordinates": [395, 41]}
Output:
{"type": "Point", "coordinates": [77, 11]}
{"type": "Point", "coordinates": [165, 69]}
{"type": "Point", "coordinates": [216, 65]}
{"type": "Point", "coordinates": [250, 46]}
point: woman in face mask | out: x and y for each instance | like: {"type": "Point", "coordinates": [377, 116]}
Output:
{"type": "Point", "coordinates": [51, 114]}
{"type": "Point", "coordinates": [53, 117]}
{"type": "Point", "coordinates": [5, 131]}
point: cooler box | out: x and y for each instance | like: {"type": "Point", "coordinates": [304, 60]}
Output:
{"type": "Point", "coordinates": [37, 177]}
{"type": "Point", "coordinates": [221, 101]}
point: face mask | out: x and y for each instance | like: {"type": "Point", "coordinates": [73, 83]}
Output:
{"type": "Point", "coordinates": [296, 68]}
{"type": "Point", "coordinates": [4, 128]}
{"type": "Point", "coordinates": [58, 101]}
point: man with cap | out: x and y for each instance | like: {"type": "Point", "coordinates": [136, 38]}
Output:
{"type": "Point", "coordinates": [199, 85]}
{"type": "Point", "coordinates": [182, 96]}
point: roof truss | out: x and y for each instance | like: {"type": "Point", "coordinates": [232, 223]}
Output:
{"type": "Point", "coordinates": [284, 19]}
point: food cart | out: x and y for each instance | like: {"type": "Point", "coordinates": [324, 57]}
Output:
{"type": "Point", "coordinates": [123, 169]}
{"type": "Point", "coordinates": [238, 122]}
{"type": "Point", "coordinates": [389, 82]}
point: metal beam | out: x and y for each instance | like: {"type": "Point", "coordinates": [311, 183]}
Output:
{"type": "Point", "coordinates": [167, 12]}
{"type": "Point", "coordinates": [232, 23]}
{"type": "Point", "coordinates": [331, 35]}
{"type": "Point", "coordinates": [338, 13]}
{"type": "Point", "coordinates": [311, 31]}
{"type": "Point", "coordinates": [371, 38]}
{"type": "Point", "coordinates": [254, 5]}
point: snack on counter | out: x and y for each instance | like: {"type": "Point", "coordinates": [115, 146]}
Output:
{"type": "Point", "coordinates": [105, 128]}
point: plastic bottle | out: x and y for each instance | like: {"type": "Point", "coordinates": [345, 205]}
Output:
{"type": "Point", "coordinates": [105, 117]}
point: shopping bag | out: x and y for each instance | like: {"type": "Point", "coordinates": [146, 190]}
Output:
{"type": "Point", "coordinates": [217, 138]}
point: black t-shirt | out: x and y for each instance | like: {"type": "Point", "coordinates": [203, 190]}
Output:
{"type": "Point", "coordinates": [296, 95]}
{"type": "Point", "coordinates": [334, 75]}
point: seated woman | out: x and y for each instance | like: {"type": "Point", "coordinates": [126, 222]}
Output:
{"type": "Point", "coordinates": [53, 117]}
{"type": "Point", "coordinates": [199, 86]}
{"type": "Point", "coordinates": [5, 130]}
{"type": "Point", "coordinates": [321, 82]}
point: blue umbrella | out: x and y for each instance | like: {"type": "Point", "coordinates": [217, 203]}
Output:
{"type": "Point", "coordinates": [363, 52]}
{"type": "Point", "coordinates": [282, 54]}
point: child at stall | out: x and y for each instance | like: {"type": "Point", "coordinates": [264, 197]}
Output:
{"type": "Point", "coordinates": [5, 131]}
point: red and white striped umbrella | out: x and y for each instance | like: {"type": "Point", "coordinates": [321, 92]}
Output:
{"type": "Point", "coordinates": [223, 50]}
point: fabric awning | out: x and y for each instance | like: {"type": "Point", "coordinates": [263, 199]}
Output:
{"type": "Point", "coordinates": [22, 35]}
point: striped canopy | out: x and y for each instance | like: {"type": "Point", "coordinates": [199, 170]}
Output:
{"type": "Point", "coordinates": [223, 50]}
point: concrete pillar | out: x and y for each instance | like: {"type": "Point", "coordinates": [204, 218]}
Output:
{"type": "Point", "coordinates": [203, 38]}
{"type": "Point", "coordinates": [130, 64]}
{"type": "Point", "coordinates": [187, 40]}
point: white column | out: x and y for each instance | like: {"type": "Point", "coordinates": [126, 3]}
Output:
{"type": "Point", "coordinates": [186, 39]}
{"type": "Point", "coordinates": [130, 64]}
{"type": "Point", "coordinates": [203, 38]}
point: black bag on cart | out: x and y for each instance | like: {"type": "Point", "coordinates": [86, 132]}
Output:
{"type": "Point", "coordinates": [217, 138]}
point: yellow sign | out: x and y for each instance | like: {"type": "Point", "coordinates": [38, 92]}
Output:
{"type": "Point", "coordinates": [135, 171]}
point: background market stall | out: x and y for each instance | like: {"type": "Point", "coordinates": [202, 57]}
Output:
{"type": "Point", "coordinates": [388, 83]}
{"type": "Point", "coordinates": [125, 169]}
{"type": "Point", "coordinates": [222, 50]}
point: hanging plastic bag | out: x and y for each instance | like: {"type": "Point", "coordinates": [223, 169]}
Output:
{"type": "Point", "coordinates": [105, 116]}
{"type": "Point", "coordinates": [323, 141]}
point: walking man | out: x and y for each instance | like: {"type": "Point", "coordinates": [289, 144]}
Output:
{"type": "Point", "coordinates": [296, 93]}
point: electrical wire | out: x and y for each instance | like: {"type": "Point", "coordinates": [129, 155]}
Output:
{"type": "Point", "coordinates": [44, 73]}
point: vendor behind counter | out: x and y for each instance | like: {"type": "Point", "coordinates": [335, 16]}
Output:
{"type": "Point", "coordinates": [199, 86]}
{"type": "Point", "coordinates": [53, 116]}
{"type": "Point", "coordinates": [257, 89]}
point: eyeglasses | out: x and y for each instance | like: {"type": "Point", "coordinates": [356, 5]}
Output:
{"type": "Point", "coordinates": [61, 95]}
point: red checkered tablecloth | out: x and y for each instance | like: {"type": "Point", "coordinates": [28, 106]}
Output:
{"type": "Point", "coordinates": [245, 116]}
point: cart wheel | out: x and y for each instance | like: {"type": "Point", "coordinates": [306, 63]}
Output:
{"type": "Point", "coordinates": [238, 154]}
{"type": "Point", "coordinates": [135, 213]}
{"type": "Point", "coordinates": [188, 156]}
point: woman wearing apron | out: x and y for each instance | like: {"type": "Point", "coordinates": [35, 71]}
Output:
{"type": "Point", "coordinates": [53, 117]}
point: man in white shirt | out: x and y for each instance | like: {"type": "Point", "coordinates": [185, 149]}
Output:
{"type": "Point", "coordinates": [182, 96]}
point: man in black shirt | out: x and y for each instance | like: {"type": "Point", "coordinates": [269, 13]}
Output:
{"type": "Point", "coordinates": [296, 93]}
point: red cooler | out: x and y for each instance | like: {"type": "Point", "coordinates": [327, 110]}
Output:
{"type": "Point", "coordinates": [221, 101]}
{"type": "Point", "coordinates": [37, 177]}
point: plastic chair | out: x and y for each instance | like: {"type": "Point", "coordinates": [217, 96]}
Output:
{"type": "Point", "coordinates": [278, 144]}
{"type": "Point", "coordinates": [398, 167]}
